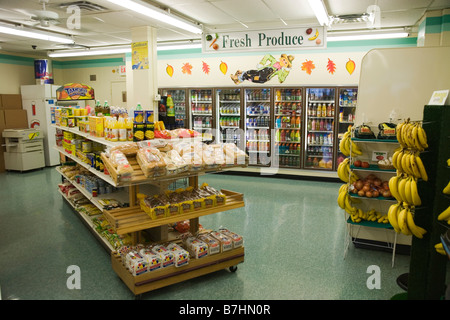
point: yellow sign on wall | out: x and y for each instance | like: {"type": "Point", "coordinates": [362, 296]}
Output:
{"type": "Point", "coordinates": [139, 55]}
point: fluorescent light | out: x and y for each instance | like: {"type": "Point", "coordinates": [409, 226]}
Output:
{"type": "Point", "coordinates": [180, 46]}
{"type": "Point", "coordinates": [370, 36]}
{"type": "Point", "coordinates": [320, 11]}
{"type": "Point", "coordinates": [22, 32]}
{"type": "Point", "coordinates": [158, 14]}
{"type": "Point", "coordinates": [89, 52]}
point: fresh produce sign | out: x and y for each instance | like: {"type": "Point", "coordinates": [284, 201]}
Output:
{"type": "Point", "coordinates": [75, 91]}
{"type": "Point", "coordinates": [265, 40]}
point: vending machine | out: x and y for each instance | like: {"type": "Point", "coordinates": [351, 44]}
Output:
{"type": "Point", "coordinates": [228, 109]}
{"type": "Point", "coordinates": [202, 113]}
{"type": "Point", "coordinates": [258, 125]}
{"type": "Point", "coordinates": [347, 107]}
{"type": "Point", "coordinates": [288, 126]}
{"type": "Point", "coordinates": [319, 137]}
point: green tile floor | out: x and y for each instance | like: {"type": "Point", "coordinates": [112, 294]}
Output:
{"type": "Point", "coordinates": [294, 239]}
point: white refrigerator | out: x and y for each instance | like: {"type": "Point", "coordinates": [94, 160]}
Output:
{"type": "Point", "coordinates": [40, 102]}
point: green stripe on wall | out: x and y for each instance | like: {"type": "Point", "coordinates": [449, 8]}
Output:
{"type": "Point", "coordinates": [92, 63]}
{"type": "Point", "coordinates": [23, 61]}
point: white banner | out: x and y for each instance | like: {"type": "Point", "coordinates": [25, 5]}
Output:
{"type": "Point", "coordinates": [265, 40]}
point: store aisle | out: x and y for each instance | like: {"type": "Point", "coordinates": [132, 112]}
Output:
{"type": "Point", "coordinates": [293, 231]}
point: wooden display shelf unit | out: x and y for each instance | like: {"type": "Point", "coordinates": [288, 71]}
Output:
{"type": "Point", "coordinates": [133, 219]}
{"type": "Point", "coordinates": [164, 277]}
{"type": "Point", "coordinates": [138, 176]}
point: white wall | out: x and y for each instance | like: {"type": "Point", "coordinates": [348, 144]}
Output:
{"type": "Point", "coordinates": [400, 79]}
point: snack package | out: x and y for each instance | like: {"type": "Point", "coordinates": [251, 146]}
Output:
{"type": "Point", "coordinates": [213, 243]}
{"type": "Point", "coordinates": [120, 162]}
{"type": "Point", "coordinates": [238, 241]}
{"type": "Point", "coordinates": [196, 247]}
{"type": "Point", "coordinates": [167, 257]}
{"type": "Point", "coordinates": [387, 131]}
{"type": "Point", "coordinates": [151, 162]}
{"type": "Point", "coordinates": [153, 260]}
{"type": "Point", "coordinates": [219, 197]}
{"type": "Point", "coordinates": [155, 206]}
{"type": "Point", "coordinates": [226, 243]}
{"type": "Point", "coordinates": [181, 256]}
{"type": "Point", "coordinates": [364, 132]}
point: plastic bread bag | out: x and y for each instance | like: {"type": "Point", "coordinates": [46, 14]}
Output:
{"type": "Point", "coordinates": [134, 260]}
{"type": "Point", "coordinates": [220, 198]}
{"type": "Point", "coordinates": [226, 243]}
{"type": "Point", "coordinates": [153, 260]}
{"type": "Point", "coordinates": [196, 247]}
{"type": "Point", "coordinates": [194, 160]}
{"type": "Point", "coordinates": [167, 257]}
{"type": "Point", "coordinates": [128, 149]}
{"type": "Point", "coordinates": [213, 243]}
{"type": "Point", "coordinates": [232, 151]}
{"type": "Point", "coordinates": [176, 159]}
{"type": "Point", "coordinates": [151, 161]}
{"type": "Point", "coordinates": [181, 256]}
{"type": "Point", "coordinates": [120, 162]}
{"type": "Point", "coordinates": [238, 240]}
{"type": "Point", "coordinates": [182, 147]}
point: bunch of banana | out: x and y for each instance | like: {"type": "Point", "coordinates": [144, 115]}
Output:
{"type": "Point", "coordinates": [404, 189]}
{"type": "Point", "coordinates": [411, 135]}
{"type": "Point", "coordinates": [440, 248]}
{"type": "Point", "coordinates": [447, 189]}
{"type": "Point", "coordinates": [409, 162]}
{"type": "Point", "coordinates": [445, 215]}
{"type": "Point", "coordinates": [401, 218]}
{"type": "Point", "coordinates": [347, 146]}
{"type": "Point", "coordinates": [344, 172]}
{"type": "Point", "coordinates": [359, 215]}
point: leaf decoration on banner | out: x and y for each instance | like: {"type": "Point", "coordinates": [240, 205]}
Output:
{"type": "Point", "coordinates": [308, 66]}
{"type": "Point", "coordinates": [169, 70]}
{"type": "Point", "coordinates": [205, 67]}
{"type": "Point", "coordinates": [186, 68]}
{"type": "Point", "coordinates": [350, 66]}
{"type": "Point", "coordinates": [331, 66]}
{"type": "Point", "coordinates": [223, 67]}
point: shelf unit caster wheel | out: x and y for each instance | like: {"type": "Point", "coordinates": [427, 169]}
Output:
{"type": "Point", "coordinates": [233, 268]}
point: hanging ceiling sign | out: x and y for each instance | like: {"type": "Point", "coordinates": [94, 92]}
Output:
{"type": "Point", "coordinates": [265, 40]}
{"type": "Point", "coordinates": [75, 91]}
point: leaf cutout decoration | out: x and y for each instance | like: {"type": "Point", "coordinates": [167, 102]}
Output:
{"type": "Point", "coordinates": [308, 66]}
{"type": "Point", "coordinates": [186, 68]}
{"type": "Point", "coordinates": [331, 66]}
{"type": "Point", "coordinates": [205, 67]}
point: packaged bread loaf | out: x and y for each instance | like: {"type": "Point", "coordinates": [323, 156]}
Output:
{"type": "Point", "coordinates": [151, 161]}
{"type": "Point", "coordinates": [154, 260]}
{"type": "Point", "coordinates": [174, 162]}
{"type": "Point", "coordinates": [181, 256]}
{"type": "Point", "coordinates": [128, 149]}
{"type": "Point", "coordinates": [167, 257]}
{"type": "Point", "coordinates": [226, 243]}
{"type": "Point", "coordinates": [233, 152]}
{"type": "Point", "coordinates": [196, 247]}
{"type": "Point", "coordinates": [238, 240]}
{"type": "Point", "coordinates": [213, 243]}
{"type": "Point", "coordinates": [120, 162]}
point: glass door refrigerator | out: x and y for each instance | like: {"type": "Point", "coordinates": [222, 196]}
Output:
{"type": "Point", "coordinates": [257, 126]}
{"type": "Point", "coordinates": [228, 109]}
{"type": "Point", "coordinates": [320, 116]}
{"type": "Point", "coordinates": [347, 105]}
{"type": "Point", "coordinates": [179, 101]}
{"type": "Point", "coordinates": [288, 126]}
{"type": "Point", "coordinates": [202, 113]}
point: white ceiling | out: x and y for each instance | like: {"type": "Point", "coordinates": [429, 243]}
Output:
{"type": "Point", "coordinates": [112, 25]}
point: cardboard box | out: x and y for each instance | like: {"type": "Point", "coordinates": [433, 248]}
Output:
{"type": "Point", "coordinates": [16, 119]}
{"type": "Point", "coordinates": [11, 102]}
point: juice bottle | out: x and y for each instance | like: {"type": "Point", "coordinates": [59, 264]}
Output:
{"type": "Point", "coordinates": [114, 130]}
{"type": "Point", "coordinates": [329, 110]}
{"type": "Point", "coordinates": [122, 129]}
{"type": "Point", "coordinates": [297, 122]}
{"type": "Point", "coordinates": [129, 126]}
{"type": "Point", "coordinates": [324, 110]}
{"type": "Point", "coordinates": [283, 136]}
{"type": "Point", "coordinates": [297, 135]}
{"type": "Point", "coordinates": [293, 122]}
{"type": "Point", "coordinates": [106, 128]}
{"type": "Point", "coordinates": [292, 135]}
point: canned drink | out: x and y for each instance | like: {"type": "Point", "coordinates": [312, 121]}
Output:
{"type": "Point", "coordinates": [43, 71]}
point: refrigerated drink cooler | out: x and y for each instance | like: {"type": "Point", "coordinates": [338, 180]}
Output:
{"type": "Point", "coordinates": [258, 126]}
{"type": "Point", "coordinates": [228, 105]}
{"type": "Point", "coordinates": [288, 126]}
{"type": "Point", "coordinates": [202, 113]}
{"type": "Point", "coordinates": [347, 107]}
{"type": "Point", "coordinates": [179, 101]}
{"type": "Point", "coordinates": [320, 128]}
